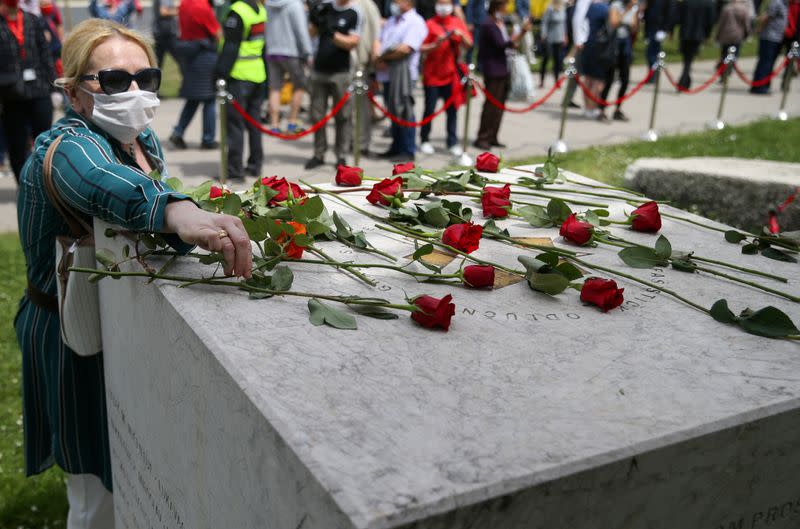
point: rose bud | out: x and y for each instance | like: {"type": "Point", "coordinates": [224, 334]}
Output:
{"type": "Point", "coordinates": [349, 176]}
{"type": "Point", "coordinates": [292, 250]}
{"type": "Point", "coordinates": [576, 231]}
{"type": "Point", "coordinates": [383, 191]}
{"type": "Point", "coordinates": [464, 237]}
{"type": "Point", "coordinates": [400, 168]}
{"type": "Point", "coordinates": [433, 312]}
{"type": "Point", "coordinates": [478, 276]}
{"type": "Point", "coordinates": [496, 200]}
{"type": "Point", "coordinates": [487, 162]}
{"type": "Point", "coordinates": [217, 192]}
{"type": "Point", "coordinates": [646, 218]}
{"type": "Point", "coordinates": [602, 292]}
{"type": "Point", "coordinates": [282, 187]}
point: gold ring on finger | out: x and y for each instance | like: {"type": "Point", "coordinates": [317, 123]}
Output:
{"type": "Point", "coordinates": [222, 234]}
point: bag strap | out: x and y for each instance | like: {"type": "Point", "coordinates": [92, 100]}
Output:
{"type": "Point", "coordinates": [454, 49]}
{"type": "Point", "coordinates": [77, 226]}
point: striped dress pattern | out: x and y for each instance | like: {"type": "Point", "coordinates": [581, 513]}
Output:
{"type": "Point", "coordinates": [64, 403]}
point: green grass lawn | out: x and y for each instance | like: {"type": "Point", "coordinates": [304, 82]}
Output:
{"type": "Point", "coordinates": [40, 502]}
{"type": "Point", "coordinates": [766, 139]}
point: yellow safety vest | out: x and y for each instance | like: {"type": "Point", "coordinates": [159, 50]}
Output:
{"type": "Point", "coordinates": [249, 65]}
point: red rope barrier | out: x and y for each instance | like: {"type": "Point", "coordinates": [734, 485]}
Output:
{"type": "Point", "coordinates": [772, 222]}
{"type": "Point", "coordinates": [491, 99]}
{"type": "Point", "coordinates": [697, 90]}
{"type": "Point", "coordinates": [253, 121]}
{"type": "Point", "coordinates": [403, 123]}
{"type": "Point", "coordinates": [763, 81]}
{"type": "Point", "coordinates": [619, 101]}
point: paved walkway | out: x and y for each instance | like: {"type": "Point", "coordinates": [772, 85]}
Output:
{"type": "Point", "coordinates": [526, 134]}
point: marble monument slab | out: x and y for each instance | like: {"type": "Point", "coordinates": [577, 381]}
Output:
{"type": "Point", "coordinates": [531, 412]}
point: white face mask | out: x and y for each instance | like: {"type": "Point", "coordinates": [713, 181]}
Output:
{"type": "Point", "coordinates": [395, 9]}
{"type": "Point", "coordinates": [125, 115]}
{"type": "Point", "coordinates": [444, 10]}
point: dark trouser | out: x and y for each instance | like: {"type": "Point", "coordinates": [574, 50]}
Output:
{"type": "Point", "coordinates": [403, 138]}
{"type": "Point", "coordinates": [250, 96]}
{"type": "Point", "coordinates": [653, 49]}
{"type": "Point", "coordinates": [623, 66]}
{"type": "Point", "coordinates": [490, 114]}
{"type": "Point", "coordinates": [209, 118]}
{"type": "Point", "coordinates": [689, 49]}
{"type": "Point", "coordinates": [767, 53]}
{"type": "Point", "coordinates": [333, 86]}
{"type": "Point", "coordinates": [164, 43]}
{"type": "Point", "coordinates": [23, 121]}
{"type": "Point", "coordinates": [556, 51]}
{"type": "Point", "coordinates": [432, 95]}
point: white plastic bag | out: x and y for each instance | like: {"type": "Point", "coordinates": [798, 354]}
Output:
{"type": "Point", "coordinates": [522, 84]}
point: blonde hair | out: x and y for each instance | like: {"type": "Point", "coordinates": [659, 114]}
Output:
{"type": "Point", "coordinates": [87, 36]}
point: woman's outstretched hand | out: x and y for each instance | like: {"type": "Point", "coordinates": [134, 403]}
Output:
{"type": "Point", "coordinates": [214, 232]}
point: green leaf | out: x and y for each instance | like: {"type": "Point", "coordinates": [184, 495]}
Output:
{"type": "Point", "coordinates": [491, 228]}
{"type": "Point", "coordinates": [638, 257]}
{"type": "Point", "coordinates": [343, 229]}
{"type": "Point", "coordinates": [558, 210]}
{"type": "Point", "coordinates": [370, 311]}
{"type": "Point", "coordinates": [592, 218]}
{"type": "Point", "coordinates": [413, 181]}
{"type": "Point", "coordinates": [126, 251]}
{"type": "Point", "coordinates": [310, 209]}
{"type": "Point", "coordinates": [176, 184]}
{"type": "Point", "coordinates": [663, 247]}
{"type": "Point", "coordinates": [536, 216]}
{"type": "Point", "coordinates": [770, 322]}
{"type": "Point", "coordinates": [256, 228]}
{"type": "Point", "coordinates": [315, 228]}
{"type": "Point", "coordinates": [721, 312]}
{"type": "Point", "coordinates": [232, 204]}
{"type": "Point", "coordinates": [201, 191]}
{"type": "Point", "coordinates": [750, 249]}
{"type": "Point", "coordinates": [550, 283]}
{"type": "Point", "coordinates": [320, 314]}
{"type": "Point", "coordinates": [422, 251]}
{"type": "Point", "coordinates": [282, 278]}
{"type": "Point", "coordinates": [778, 255]}
{"type": "Point", "coordinates": [105, 257]}
{"type": "Point", "coordinates": [683, 265]}
{"type": "Point", "coordinates": [303, 240]}
{"type": "Point", "coordinates": [360, 240]}
{"type": "Point", "coordinates": [549, 258]}
{"type": "Point", "coordinates": [734, 236]}
{"type": "Point", "coordinates": [211, 258]}
{"type": "Point", "coordinates": [532, 265]}
{"type": "Point", "coordinates": [437, 217]}
{"type": "Point", "coordinates": [570, 271]}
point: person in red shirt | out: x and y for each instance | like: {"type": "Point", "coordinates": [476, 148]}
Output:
{"type": "Point", "coordinates": [441, 75]}
{"type": "Point", "coordinates": [197, 53]}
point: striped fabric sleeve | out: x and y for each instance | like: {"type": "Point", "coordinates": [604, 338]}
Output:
{"type": "Point", "coordinates": [91, 180]}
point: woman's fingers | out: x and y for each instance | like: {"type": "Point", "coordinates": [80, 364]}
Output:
{"type": "Point", "coordinates": [243, 261]}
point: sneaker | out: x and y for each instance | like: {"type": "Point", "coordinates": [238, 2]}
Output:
{"type": "Point", "coordinates": [619, 116]}
{"type": "Point", "coordinates": [294, 128]}
{"type": "Point", "coordinates": [591, 113]}
{"type": "Point", "coordinates": [177, 142]}
{"type": "Point", "coordinates": [275, 130]}
{"type": "Point", "coordinates": [456, 150]}
{"type": "Point", "coordinates": [573, 104]}
{"type": "Point", "coordinates": [426, 148]}
{"type": "Point", "coordinates": [601, 117]}
{"type": "Point", "coordinates": [209, 146]}
{"type": "Point", "coordinates": [314, 162]}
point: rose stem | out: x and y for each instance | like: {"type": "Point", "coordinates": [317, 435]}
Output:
{"type": "Point", "coordinates": [774, 240]}
{"type": "Point", "coordinates": [370, 249]}
{"type": "Point", "coordinates": [374, 265]}
{"type": "Point", "coordinates": [576, 182]}
{"type": "Point", "coordinates": [750, 283]}
{"type": "Point", "coordinates": [243, 286]}
{"type": "Point", "coordinates": [573, 191]}
{"type": "Point", "coordinates": [356, 273]}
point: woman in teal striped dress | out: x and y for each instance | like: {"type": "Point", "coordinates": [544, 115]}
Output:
{"type": "Point", "coordinates": [100, 169]}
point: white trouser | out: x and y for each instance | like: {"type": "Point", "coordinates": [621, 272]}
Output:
{"type": "Point", "coordinates": [91, 506]}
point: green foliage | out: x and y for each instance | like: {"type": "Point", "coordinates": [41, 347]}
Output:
{"type": "Point", "coordinates": [322, 314]}
{"type": "Point", "coordinates": [546, 274]}
{"type": "Point", "coordinates": [769, 321]}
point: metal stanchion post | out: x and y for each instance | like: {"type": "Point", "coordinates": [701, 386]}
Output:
{"type": "Point", "coordinates": [67, 16]}
{"type": "Point", "coordinates": [651, 134]}
{"type": "Point", "coordinates": [793, 56]}
{"type": "Point", "coordinates": [223, 97]}
{"type": "Point", "coordinates": [560, 146]}
{"type": "Point", "coordinates": [465, 159]}
{"type": "Point", "coordinates": [358, 91]}
{"type": "Point", "coordinates": [729, 61]}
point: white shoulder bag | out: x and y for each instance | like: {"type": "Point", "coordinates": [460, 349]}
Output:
{"type": "Point", "coordinates": [78, 302]}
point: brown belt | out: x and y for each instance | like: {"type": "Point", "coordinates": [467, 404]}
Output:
{"type": "Point", "coordinates": [42, 299]}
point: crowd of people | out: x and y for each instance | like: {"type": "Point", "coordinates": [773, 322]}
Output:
{"type": "Point", "coordinates": [306, 52]}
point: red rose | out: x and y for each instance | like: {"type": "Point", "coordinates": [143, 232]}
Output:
{"type": "Point", "coordinates": [465, 237]}
{"type": "Point", "coordinates": [389, 188]}
{"type": "Point", "coordinates": [495, 200]}
{"type": "Point", "coordinates": [487, 162]}
{"type": "Point", "coordinates": [433, 312]}
{"type": "Point", "coordinates": [348, 176]}
{"type": "Point", "coordinates": [292, 250]}
{"type": "Point", "coordinates": [602, 292]}
{"type": "Point", "coordinates": [646, 218]}
{"type": "Point", "coordinates": [576, 231]}
{"type": "Point", "coordinates": [400, 168]}
{"type": "Point", "coordinates": [217, 192]}
{"type": "Point", "coordinates": [282, 187]}
{"type": "Point", "coordinates": [478, 276]}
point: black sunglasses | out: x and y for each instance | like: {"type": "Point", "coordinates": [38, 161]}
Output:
{"type": "Point", "coordinates": [118, 81]}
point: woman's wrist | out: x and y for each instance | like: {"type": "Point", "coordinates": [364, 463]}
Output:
{"type": "Point", "coordinates": [175, 214]}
